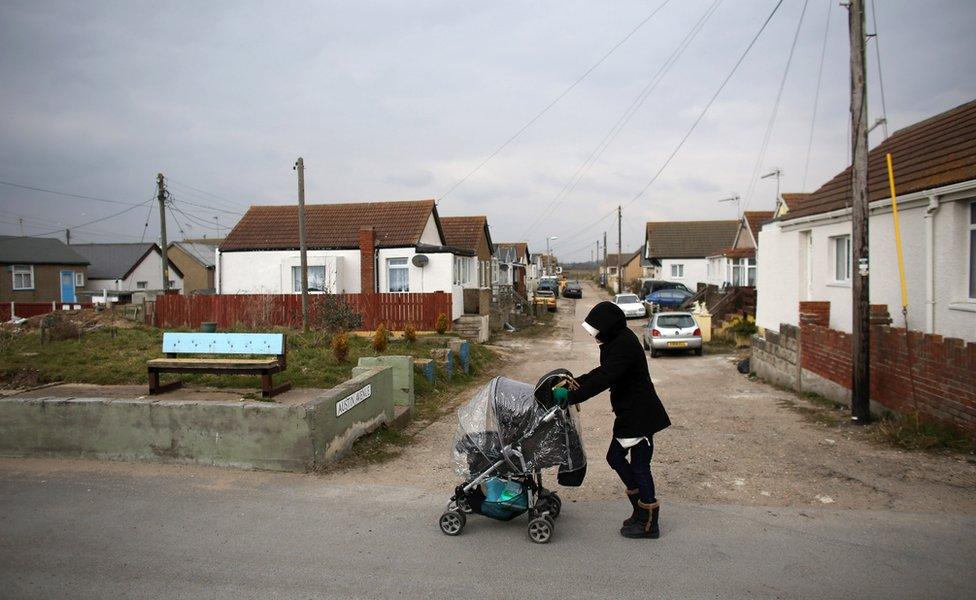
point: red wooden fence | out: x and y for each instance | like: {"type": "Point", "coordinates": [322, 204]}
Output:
{"type": "Point", "coordinates": [32, 309]}
{"type": "Point", "coordinates": [285, 310]}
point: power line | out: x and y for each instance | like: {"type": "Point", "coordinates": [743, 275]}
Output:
{"type": "Point", "coordinates": [106, 218]}
{"type": "Point", "coordinates": [142, 238]}
{"type": "Point", "coordinates": [772, 117]}
{"type": "Point", "coordinates": [553, 103]}
{"type": "Point", "coordinates": [209, 208]}
{"type": "Point", "coordinates": [816, 97]}
{"type": "Point", "coordinates": [877, 51]}
{"type": "Point", "coordinates": [711, 101]}
{"type": "Point", "coordinates": [624, 118]}
{"type": "Point", "coordinates": [57, 193]}
{"type": "Point", "coordinates": [203, 194]}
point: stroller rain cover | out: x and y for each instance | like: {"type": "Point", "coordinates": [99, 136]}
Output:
{"type": "Point", "coordinates": [507, 412]}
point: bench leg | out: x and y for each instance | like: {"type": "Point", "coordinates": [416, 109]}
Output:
{"type": "Point", "coordinates": [155, 388]}
{"type": "Point", "coordinates": [268, 390]}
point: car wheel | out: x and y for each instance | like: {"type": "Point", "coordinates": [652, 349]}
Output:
{"type": "Point", "coordinates": [698, 351]}
{"type": "Point", "coordinates": [654, 353]}
{"type": "Point", "coordinates": [646, 347]}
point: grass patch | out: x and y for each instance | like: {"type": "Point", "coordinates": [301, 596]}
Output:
{"type": "Point", "coordinates": [381, 445]}
{"type": "Point", "coordinates": [909, 434]}
{"type": "Point", "coordinates": [104, 357]}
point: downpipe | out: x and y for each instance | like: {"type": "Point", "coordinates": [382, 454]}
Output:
{"type": "Point", "coordinates": [930, 210]}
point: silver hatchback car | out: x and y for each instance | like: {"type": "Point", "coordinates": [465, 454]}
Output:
{"type": "Point", "coordinates": [672, 331]}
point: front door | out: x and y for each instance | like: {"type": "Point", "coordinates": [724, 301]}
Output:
{"type": "Point", "coordinates": [68, 286]}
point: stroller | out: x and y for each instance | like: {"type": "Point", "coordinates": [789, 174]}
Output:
{"type": "Point", "coordinates": [506, 435]}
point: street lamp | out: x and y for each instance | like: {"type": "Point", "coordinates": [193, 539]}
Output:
{"type": "Point", "coordinates": [549, 253]}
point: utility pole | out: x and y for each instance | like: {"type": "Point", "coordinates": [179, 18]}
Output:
{"type": "Point", "coordinates": [860, 288]}
{"type": "Point", "coordinates": [606, 267]}
{"type": "Point", "coordinates": [67, 237]}
{"type": "Point", "coordinates": [161, 196]}
{"type": "Point", "coordinates": [300, 167]}
{"type": "Point", "coordinates": [620, 276]}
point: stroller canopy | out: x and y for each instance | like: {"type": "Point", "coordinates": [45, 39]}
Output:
{"type": "Point", "coordinates": [505, 412]}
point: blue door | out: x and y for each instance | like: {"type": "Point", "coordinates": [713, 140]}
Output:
{"type": "Point", "coordinates": [68, 286]}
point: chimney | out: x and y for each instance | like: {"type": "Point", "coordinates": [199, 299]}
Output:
{"type": "Point", "coordinates": [367, 260]}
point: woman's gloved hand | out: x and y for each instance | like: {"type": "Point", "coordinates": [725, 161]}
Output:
{"type": "Point", "coordinates": [561, 395]}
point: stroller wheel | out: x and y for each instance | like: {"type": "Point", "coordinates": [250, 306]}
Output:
{"type": "Point", "coordinates": [452, 522]}
{"type": "Point", "coordinates": [540, 530]}
{"type": "Point", "coordinates": [463, 506]}
{"type": "Point", "coordinates": [557, 505]}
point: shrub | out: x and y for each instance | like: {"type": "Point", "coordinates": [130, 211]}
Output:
{"type": "Point", "coordinates": [442, 324]}
{"type": "Point", "coordinates": [340, 346]}
{"type": "Point", "coordinates": [742, 326]}
{"type": "Point", "coordinates": [334, 314]}
{"type": "Point", "coordinates": [409, 333]}
{"type": "Point", "coordinates": [381, 338]}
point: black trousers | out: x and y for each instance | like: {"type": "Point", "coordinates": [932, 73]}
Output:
{"type": "Point", "coordinates": [636, 472]}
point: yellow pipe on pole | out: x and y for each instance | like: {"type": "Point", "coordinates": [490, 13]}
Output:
{"type": "Point", "coordinates": [894, 213]}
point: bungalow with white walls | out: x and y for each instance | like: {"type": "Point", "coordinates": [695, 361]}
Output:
{"type": "Point", "coordinates": [385, 247]}
{"type": "Point", "coordinates": [679, 250]}
{"type": "Point", "coordinates": [127, 268]}
{"type": "Point", "coordinates": [806, 253]}
{"type": "Point", "coordinates": [736, 265]}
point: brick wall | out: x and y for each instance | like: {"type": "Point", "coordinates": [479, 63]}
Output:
{"type": "Point", "coordinates": [944, 370]}
{"type": "Point", "coordinates": [367, 260]}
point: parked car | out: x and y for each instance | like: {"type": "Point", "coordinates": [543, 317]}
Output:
{"type": "Point", "coordinates": [649, 286]}
{"type": "Point", "coordinates": [672, 331]}
{"type": "Point", "coordinates": [631, 305]}
{"type": "Point", "coordinates": [573, 289]}
{"type": "Point", "coordinates": [545, 298]}
{"type": "Point", "coordinates": [548, 284]}
{"type": "Point", "coordinates": [669, 298]}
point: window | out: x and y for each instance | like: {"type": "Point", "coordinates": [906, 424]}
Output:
{"type": "Point", "coordinates": [462, 270]}
{"type": "Point", "coordinates": [316, 279]}
{"type": "Point", "coordinates": [141, 285]}
{"type": "Point", "coordinates": [23, 277]}
{"type": "Point", "coordinates": [398, 274]}
{"type": "Point", "coordinates": [79, 279]}
{"type": "Point", "coordinates": [752, 272]}
{"type": "Point", "coordinates": [841, 248]}
{"type": "Point", "coordinates": [678, 271]}
{"type": "Point", "coordinates": [972, 250]}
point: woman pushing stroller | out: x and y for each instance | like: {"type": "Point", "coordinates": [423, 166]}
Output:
{"type": "Point", "coordinates": [638, 412]}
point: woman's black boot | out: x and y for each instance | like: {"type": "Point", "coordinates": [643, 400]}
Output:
{"type": "Point", "coordinates": [633, 496]}
{"type": "Point", "coordinates": [646, 525]}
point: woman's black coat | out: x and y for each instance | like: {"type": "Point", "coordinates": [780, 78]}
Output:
{"type": "Point", "coordinates": [623, 369]}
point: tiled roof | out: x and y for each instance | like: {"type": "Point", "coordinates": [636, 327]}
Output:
{"type": "Point", "coordinates": [755, 219]}
{"type": "Point", "coordinates": [397, 224]}
{"type": "Point", "coordinates": [794, 199]}
{"type": "Point", "coordinates": [933, 153]}
{"type": "Point", "coordinates": [689, 239]}
{"type": "Point", "coordinates": [37, 251]}
{"type": "Point", "coordinates": [625, 258]}
{"type": "Point", "coordinates": [465, 232]}
{"type": "Point", "coordinates": [737, 253]}
{"type": "Point", "coordinates": [116, 261]}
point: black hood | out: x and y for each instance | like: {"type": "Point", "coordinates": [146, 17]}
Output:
{"type": "Point", "coordinates": [607, 318]}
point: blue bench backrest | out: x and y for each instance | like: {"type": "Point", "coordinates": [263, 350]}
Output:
{"type": "Point", "coordinates": [223, 343]}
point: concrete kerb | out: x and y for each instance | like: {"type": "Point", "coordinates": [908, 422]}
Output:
{"type": "Point", "coordinates": [252, 435]}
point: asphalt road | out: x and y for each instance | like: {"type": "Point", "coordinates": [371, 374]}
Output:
{"type": "Point", "coordinates": [88, 531]}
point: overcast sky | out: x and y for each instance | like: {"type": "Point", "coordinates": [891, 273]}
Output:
{"type": "Point", "coordinates": [400, 100]}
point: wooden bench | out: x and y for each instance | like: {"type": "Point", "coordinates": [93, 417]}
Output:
{"type": "Point", "coordinates": [250, 344]}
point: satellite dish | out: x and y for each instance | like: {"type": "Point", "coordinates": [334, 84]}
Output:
{"type": "Point", "coordinates": [420, 260]}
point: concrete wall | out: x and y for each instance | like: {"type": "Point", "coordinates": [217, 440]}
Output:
{"type": "Point", "coordinates": [150, 270]}
{"type": "Point", "coordinates": [695, 271]}
{"type": "Point", "coordinates": [269, 272]}
{"type": "Point", "coordinates": [253, 435]}
{"type": "Point", "coordinates": [775, 356]}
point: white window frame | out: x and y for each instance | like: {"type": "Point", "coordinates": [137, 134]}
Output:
{"type": "Point", "coordinates": [296, 279]}
{"type": "Point", "coordinates": [834, 242]}
{"type": "Point", "coordinates": [22, 270]}
{"type": "Point", "coordinates": [142, 285]}
{"type": "Point", "coordinates": [397, 263]}
{"type": "Point", "coordinates": [972, 251]}
{"type": "Point", "coordinates": [677, 270]}
{"type": "Point", "coordinates": [79, 279]}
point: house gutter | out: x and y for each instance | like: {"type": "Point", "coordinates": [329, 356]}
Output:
{"type": "Point", "coordinates": [930, 210]}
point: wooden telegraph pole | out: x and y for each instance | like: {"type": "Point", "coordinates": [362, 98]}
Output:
{"type": "Point", "coordinates": [161, 197]}
{"type": "Point", "coordinates": [300, 167]}
{"type": "Point", "coordinates": [861, 389]}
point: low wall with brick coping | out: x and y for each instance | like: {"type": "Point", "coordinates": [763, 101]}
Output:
{"type": "Point", "coordinates": [253, 435]}
{"type": "Point", "coordinates": [943, 369]}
